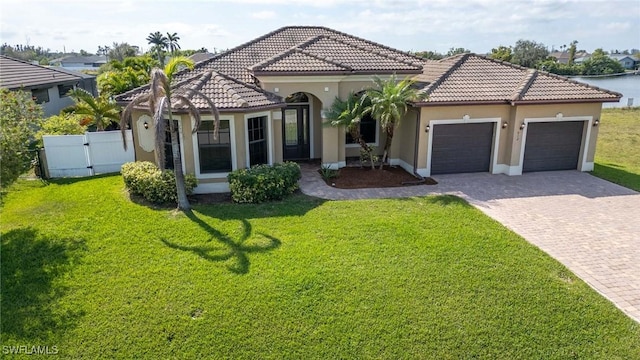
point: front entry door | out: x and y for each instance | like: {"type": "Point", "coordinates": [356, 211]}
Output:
{"type": "Point", "coordinates": [295, 132]}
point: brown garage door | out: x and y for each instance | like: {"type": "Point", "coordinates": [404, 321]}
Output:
{"type": "Point", "coordinates": [461, 148]}
{"type": "Point", "coordinates": [552, 146]}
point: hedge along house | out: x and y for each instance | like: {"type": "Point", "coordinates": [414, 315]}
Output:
{"type": "Point", "coordinates": [481, 115]}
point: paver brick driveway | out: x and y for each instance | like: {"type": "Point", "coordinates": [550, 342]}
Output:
{"type": "Point", "coordinates": [590, 225]}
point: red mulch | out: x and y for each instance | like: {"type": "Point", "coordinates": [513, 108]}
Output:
{"type": "Point", "coordinates": [365, 177]}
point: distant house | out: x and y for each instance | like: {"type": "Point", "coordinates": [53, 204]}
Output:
{"type": "Point", "coordinates": [49, 86]}
{"type": "Point", "coordinates": [627, 61]}
{"type": "Point", "coordinates": [563, 56]}
{"type": "Point", "coordinates": [78, 63]}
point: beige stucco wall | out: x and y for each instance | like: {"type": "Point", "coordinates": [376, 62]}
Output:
{"type": "Point", "coordinates": [328, 142]}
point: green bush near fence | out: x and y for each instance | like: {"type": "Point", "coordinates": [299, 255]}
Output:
{"type": "Point", "coordinates": [144, 179]}
{"type": "Point", "coordinates": [264, 182]}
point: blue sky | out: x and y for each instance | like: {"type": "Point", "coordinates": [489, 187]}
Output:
{"type": "Point", "coordinates": [404, 24]}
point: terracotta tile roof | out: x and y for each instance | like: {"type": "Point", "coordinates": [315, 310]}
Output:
{"type": "Point", "coordinates": [15, 74]}
{"type": "Point", "coordinates": [469, 78]}
{"type": "Point", "coordinates": [238, 61]}
{"type": "Point", "coordinates": [298, 60]}
{"type": "Point", "coordinates": [300, 49]}
{"type": "Point", "coordinates": [331, 54]}
{"type": "Point", "coordinates": [228, 94]}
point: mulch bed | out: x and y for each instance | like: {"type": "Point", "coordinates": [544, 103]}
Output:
{"type": "Point", "coordinates": [365, 177]}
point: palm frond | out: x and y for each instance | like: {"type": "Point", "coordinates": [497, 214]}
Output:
{"type": "Point", "coordinates": [176, 64]}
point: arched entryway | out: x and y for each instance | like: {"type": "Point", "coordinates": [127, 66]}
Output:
{"type": "Point", "coordinates": [296, 124]}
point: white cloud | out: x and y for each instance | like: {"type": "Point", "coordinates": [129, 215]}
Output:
{"type": "Point", "coordinates": [617, 26]}
{"type": "Point", "coordinates": [262, 15]}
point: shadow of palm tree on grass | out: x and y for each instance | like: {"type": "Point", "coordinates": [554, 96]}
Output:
{"type": "Point", "coordinates": [31, 265]}
{"type": "Point", "coordinates": [227, 249]}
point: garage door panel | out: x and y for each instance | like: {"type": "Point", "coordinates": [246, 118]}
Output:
{"type": "Point", "coordinates": [552, 146]}
{"type": "Point", "coordinates": [459, 148]}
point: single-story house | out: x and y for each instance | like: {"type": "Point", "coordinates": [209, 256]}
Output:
{"type": "Point", "coordinates": [627, 61]}
{"type": "Point", "coordinates": [481, 115]}
{"type": "Point", "coordinates": [78, 63]}
{"type": "Point", "coordinates": [49, 86]}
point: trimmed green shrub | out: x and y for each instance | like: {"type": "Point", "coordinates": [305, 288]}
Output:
{"type": "Point", "coordinates": [264, 183]}
{"type": "Point", "coordinates": [144, 179]}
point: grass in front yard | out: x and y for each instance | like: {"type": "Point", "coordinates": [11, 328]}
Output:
{"type": "Point", "coordinates": [618, 148]}
{"type": "Point", "coordinates": [98, 276]}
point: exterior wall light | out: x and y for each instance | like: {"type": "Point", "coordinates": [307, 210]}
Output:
{"type": "Point", "coordinates": [427, 128]}
{"type": "Point", "coordinates": [505, 124]}
{"type": "Point", "coordinates": [146, 125]}
{"type": "Point", "coordinates": [522, 126]}
{"type": "Point", "coordinates": [596, 122]}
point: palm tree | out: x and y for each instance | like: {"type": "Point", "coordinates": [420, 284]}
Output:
{"type": "Point", "coordinates": [100, 111]}
{"type": "Point", "coordinates": [349, 113]}
{"type": "Point", "coordinates": [160, 43]}
{"type": "Point", "coordinates": [389, 103]}
{"type": "Point", "coordinates": [172, 42]}
{"type": "Point", "coordinates": [161, 99]}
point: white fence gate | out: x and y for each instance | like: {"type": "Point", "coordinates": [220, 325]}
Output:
{"type": "Point", "coordinates": [86, 155]}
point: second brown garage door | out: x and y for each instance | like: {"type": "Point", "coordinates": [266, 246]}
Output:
{"type": "Point", "coordinates": [461, 148]}
{"type": "Point", "coordinates": [552, 146]}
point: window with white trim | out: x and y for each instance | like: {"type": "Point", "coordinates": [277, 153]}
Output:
{"type": "Point", "coordinates": [214, 154]}
{"type": "Point", "coordinates": [257, 131]}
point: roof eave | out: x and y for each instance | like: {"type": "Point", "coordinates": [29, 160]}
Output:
{"type": "Point", "coordinates": [238, 109]}
{"type": "Point", "coordinates": [564, 101]}
{"type": "Point", "coordinates": [333, 72]}
{"type": "Point", "coordinates": [460, 102]}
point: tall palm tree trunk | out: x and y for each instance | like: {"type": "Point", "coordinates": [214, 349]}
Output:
{"type": "Point", "coordinates": [183, 202]}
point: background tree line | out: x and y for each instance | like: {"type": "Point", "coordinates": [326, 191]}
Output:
{"type": "Point", "coordinates": [532, 54]}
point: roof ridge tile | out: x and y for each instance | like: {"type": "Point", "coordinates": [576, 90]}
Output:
{"type": "Point", "coordinates": [521, 90]}
{"type": "Point", "coordinates": [446, 74]}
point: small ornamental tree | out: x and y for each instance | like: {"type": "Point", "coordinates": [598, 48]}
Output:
{"type": "Point", "coordinates": [349, 113]}
{"type": "Point", "coordinates": [389, 103]}
{"type": "Point", "coordinates": [20, 118]}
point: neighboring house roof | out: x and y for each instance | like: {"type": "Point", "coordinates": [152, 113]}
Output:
{"type": "Point", "coordinates": [72, 72]}
{"type": "Point", "coordinates": [15, 74]}
{"type": "Point", "coordinates": [620, 57]}
{"type": "Point", "coordinates": [228, 94]}
{"type": "Point", "coordinates": [471, 78]}
{"type": "Point", "coordinates": [93, 59]}
{"type": "Point", "coordinates": [198, 57]}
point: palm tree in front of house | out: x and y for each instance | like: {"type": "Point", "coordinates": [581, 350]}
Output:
{"type": "Point", "coordinates": [161, 100]}
{"type": "Point", "coordinates": [160, 43]}
{"type": "Point", "coordinates": [172, 42]}
{"type": "Point", "coordinates": [349, 113]}
{"type": "Point", "coordinates": [100, 111]}
{"type": "Point", "coordinates": [389, 103]}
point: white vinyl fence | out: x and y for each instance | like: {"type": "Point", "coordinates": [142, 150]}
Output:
{"type": "Point", "coordinates": [86, 155]}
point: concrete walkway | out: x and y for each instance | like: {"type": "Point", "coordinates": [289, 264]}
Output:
{"type": "Point", "coordinates": [590, 225]}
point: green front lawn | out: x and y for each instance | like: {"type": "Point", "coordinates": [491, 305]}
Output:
{"type": "Point", "coordinates": [97, 276]}
{"type": "Point", "coordinates": [618, 148]}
